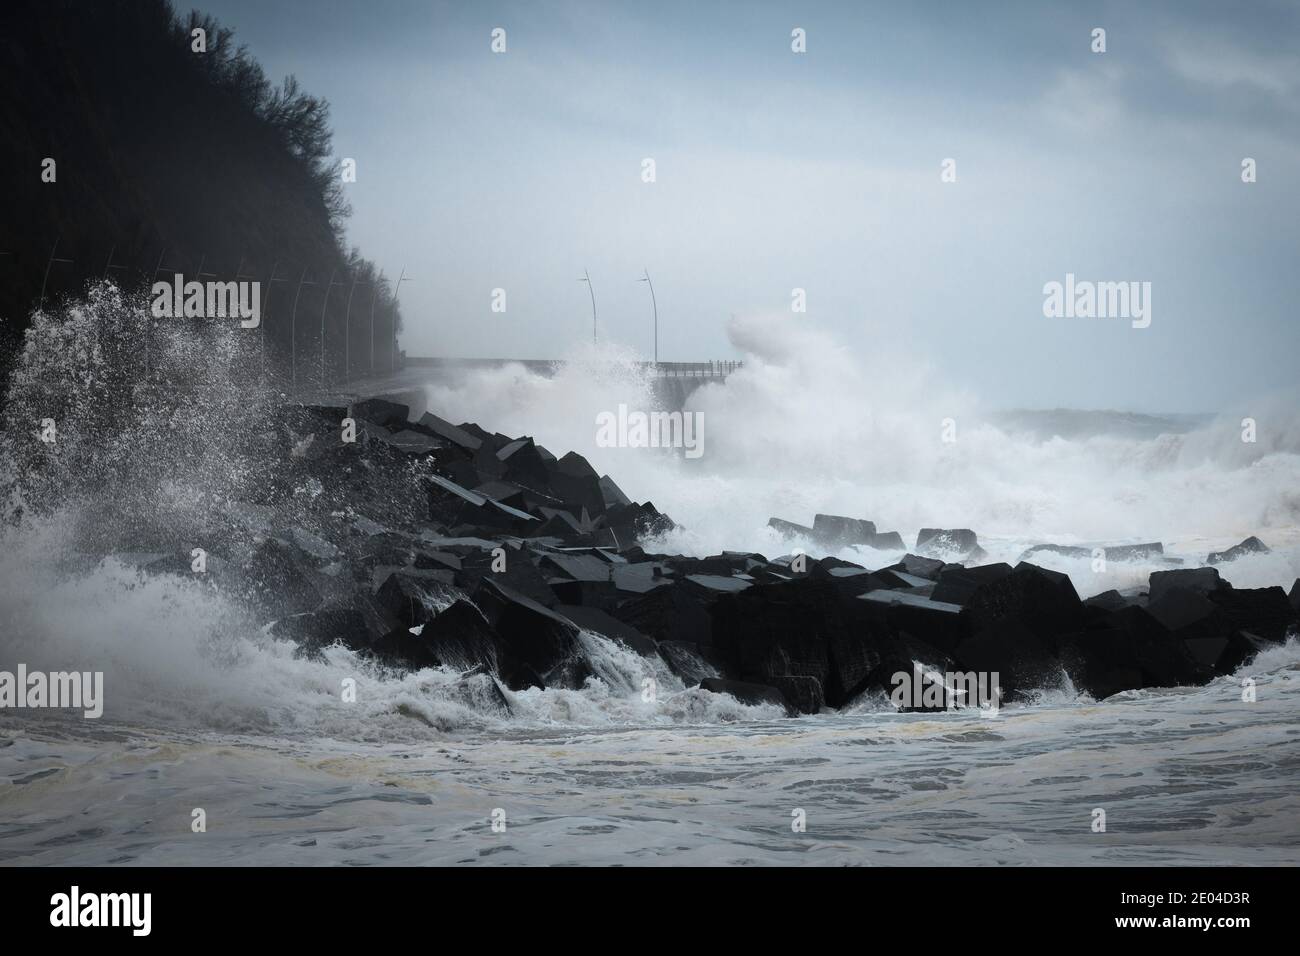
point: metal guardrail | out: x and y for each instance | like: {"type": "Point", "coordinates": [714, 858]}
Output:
{"type": "Point", "coordinates": [199, 274]}
{"type": "Point", "coordinates": [711, 369]}
{"type": "Point", "coordinates": [717, 368]}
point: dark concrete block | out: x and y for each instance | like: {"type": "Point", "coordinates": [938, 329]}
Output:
{"type": "Point", "coordinates": [746, 693]}
{"type": "Point", "coordinates": [1251, 545]}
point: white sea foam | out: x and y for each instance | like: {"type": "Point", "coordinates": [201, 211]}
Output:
{"type": "Point", "coordinates": [203, 708]}
{"type": "Point", "coordinates": [807, 426]}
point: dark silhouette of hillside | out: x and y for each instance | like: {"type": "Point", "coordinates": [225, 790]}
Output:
{"type": "Point", "coordinates": [164, 153]}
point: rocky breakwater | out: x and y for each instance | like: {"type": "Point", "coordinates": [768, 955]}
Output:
{"type": "Point", "coordinates": [431, 544]}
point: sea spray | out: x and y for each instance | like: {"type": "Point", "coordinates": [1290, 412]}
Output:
{"type": "Point", "coordinates": [808, 426]}
{"type": "Point", "coordinates": [137, 462]}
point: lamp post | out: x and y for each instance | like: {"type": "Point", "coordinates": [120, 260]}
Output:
{"type": "Point", "coordinates": [324, 306]}
{"type": "Point", "coordinates": [396, 289]}
{"type": "Point", "coordinates": [655, 304]}
{"type": "Point", "coordinates": [293, 328]}
{"type": "Point", "coordinates": [373, 296]}
{"type": "Point", "coordinates": [586, 277]}
{"type": "Point", "coordinates": [347, 328]}
{"type": "Point", "coordinates": [266, 312]}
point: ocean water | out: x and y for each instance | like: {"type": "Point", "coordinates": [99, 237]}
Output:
{"type": "Point", "coordinates": [204, 710]}
{"type": "Point", "coordinates": [1184, 776]}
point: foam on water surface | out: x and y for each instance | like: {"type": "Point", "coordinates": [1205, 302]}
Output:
{"type": "Point", "coordinates": [205, 709]}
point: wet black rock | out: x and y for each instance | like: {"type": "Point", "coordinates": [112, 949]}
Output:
{"type": "Point", "coordinates": [562, 525]}
{"type": "Point", "coordinates": [671, 613]}
{"type": "Point", "coordinates": [788, 529]}
{"type": "Point", "coordinates": [640, 577]}
{"type": "Point", "coordinates": [580, 566]}
{"type": "Point", "coordinates": [538, 638]}
{"type": "Point", "coordinates": [279, 579]}
{"type": "Point", "coordinates": [1044, 601]}
{"type": "Point", "coordinates": [781, 629]}
{"type": "Point", "coordinates": [1204, 580]}
{"type": "Point", "coordinates": [484, 437]}
{"type": "Point", "coordinates": [458, 637]}
{"type": "Point", "coordinates": [902, 581]}
{"type": "Point", "coordinates": [1100, 662]}
{"type": "Point", "coordinates": [805, 627]}
{"type": "Point", "coordinates": [412, 596]}
{"type": "Point", "coordinates": [458, 507]}
{"type": "Point", "coordinates": [1236, 651]}
{"type": "Point", "coordinates": [713, 586]}
{"type": "Point", "coordinates": [918, 566]}
{"type": "Point", "coordinates": [1064, 550]}
{"type": "Point", "coordinates": [690, 662]}
{"type": "Point", "coordinates": [375, 619]}
{"type": "Point", "coordinates": [906, 662]}
{"type": "Point", "coordinates": [483, 693]}
{"type": "Point", "coordinates": [430, 544]}
{"type": "Point", "coordinates": [1116, 552]}
{"type": "Point", "coordinates": [595, 594]}
{"type": "Point", "coordinates": [1265, 612]}
{"type": "Point", "coordinates": [598, 622]}
{"type": "Point", "coordinates": [1022, 659]}
{"type": "Point", "coordinates": [523, 463]}
{"type": "Point", "coordinates": [943, 543]}
{"type": "Point", "coordinates": [410, 442]}
{"type": "Point", "coordinates": [313, 631]}
{"type": "Point", "coordinates": [802, 694]}
{"type": "Point", "coordinates": [905, 611]}
{"type": "Point", "coordinates": [1188, 613]}
{"type": "Point", "coordinates": [612, 493]}
{"type": "Point", "coordinates": [505, 493]}
{"type": "Point", "coordinates": [888, 541]}
{"type": "Point", "coordinates": [1111, 600]}
{"type": "Point", "coordinates": [381, 412]}
{"type": "Point", "coordinates": [746, 693]}
{"type": "Point", "coordinates": [956, 585]}
{"type": "Point", "coordinates": [1134, 552]}
{"type": "Point", "coordinates": [440, 428]}
{"type": "Point", "coordinates": [1129, 650]}
{"type": "Point", "coordinates": [437, 561]}
{"type": "Point", "coordinates": [520, 574]}
{"type": "Point", "coordinates": [849, 579]}
{"type": "Point", "coordinates": [630, 522]}
{"type": "Point", "coordinates": [574, 481]}
{"type": "Point", "coordinates": [1251, 545]}
{"type": "Point", "coordinates": [834, 531]}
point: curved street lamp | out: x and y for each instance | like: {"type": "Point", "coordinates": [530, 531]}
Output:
{"type": "Point", "coordinates": [655, 304]}
{"type": "Point", "coordinates": [586, 277]}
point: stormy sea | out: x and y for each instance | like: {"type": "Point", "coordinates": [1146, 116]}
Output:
{"type": "Point", "coordinates": [187, 529]}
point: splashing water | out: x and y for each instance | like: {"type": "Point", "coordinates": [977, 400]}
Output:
{"type": "Point", "coordinates": [807, 426]}
{"type": "Point", "coordinates": [147, 456]}
{"type": "Point", "coordinates": [205, 708]}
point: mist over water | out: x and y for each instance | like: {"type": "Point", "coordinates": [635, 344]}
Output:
{"type": "Point", "coordinates": [808, 426]}
{"type": "Point", "coordinates": [138, 469]}
{"type": "Point", "coordinates": [804, 426]}
{"type": "Point", "coordinates": [252, 578]}
{"type": "Point", "coordinates": [204, 707]}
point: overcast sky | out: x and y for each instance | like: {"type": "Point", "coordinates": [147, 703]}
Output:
{"type": "Point", "coordinates": [821, 170]}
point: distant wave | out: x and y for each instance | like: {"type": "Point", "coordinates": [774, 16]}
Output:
{"type": "Point", "coordinates": [805, 426]}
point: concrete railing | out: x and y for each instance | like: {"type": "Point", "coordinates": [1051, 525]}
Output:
{"type": "Point", "coordinates": [718, 368]}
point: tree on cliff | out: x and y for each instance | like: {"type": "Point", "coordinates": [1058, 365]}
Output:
{"type": "Point", "coordinates": [173, 159]}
